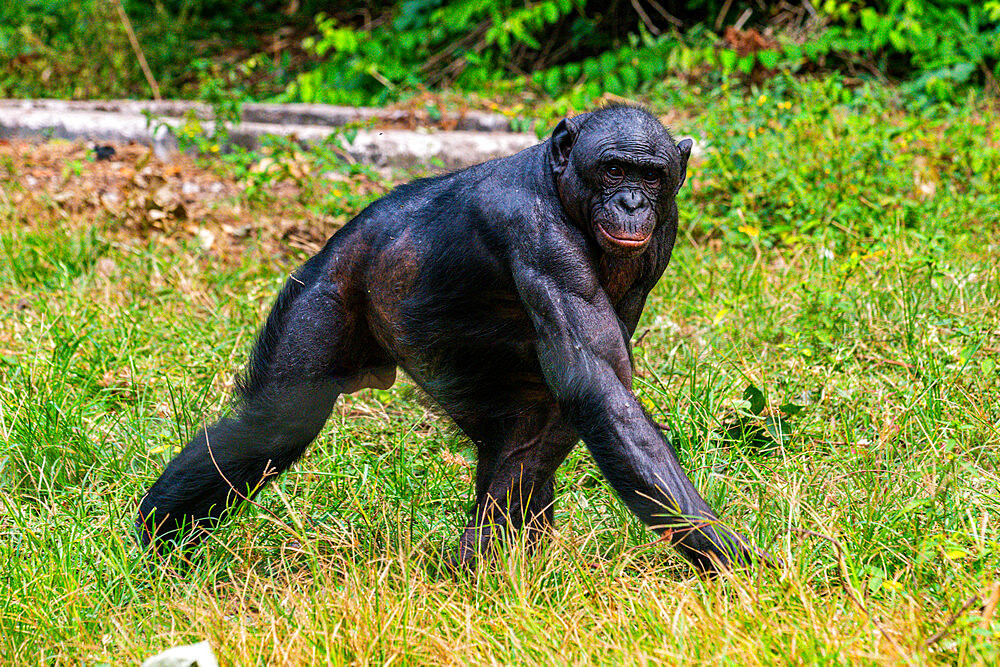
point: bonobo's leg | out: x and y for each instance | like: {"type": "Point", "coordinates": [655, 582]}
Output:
{"type": "Point", "coordinates": [515, 476]}
{"type": "Point", "coordinates": [229, 461]}
{"type": "Point", "coordinates": [309, 351]}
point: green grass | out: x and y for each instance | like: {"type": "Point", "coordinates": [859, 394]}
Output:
{"type": "Point", "coordinates": [877, 312]}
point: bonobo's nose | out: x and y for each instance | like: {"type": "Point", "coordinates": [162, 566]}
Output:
{"type": "Point", "coordinates": [630, 201]}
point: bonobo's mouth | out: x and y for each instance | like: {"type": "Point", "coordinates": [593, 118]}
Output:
{"type": "Point", "coordinates": [624, 242]}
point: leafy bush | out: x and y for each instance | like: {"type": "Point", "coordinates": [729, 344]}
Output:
{"type": "Point", "coordinates": [52, 48]}
{"type": "Point", "coordinates": [937, 46]}
{"type": "Point", "coordinates": [818, 160]}
{"type": "Point", "coordinates": [425, 43]}
{"type": "Point", "coordinates": [37, 35]}
{"type": "Point", "coordinates": [570, 50]}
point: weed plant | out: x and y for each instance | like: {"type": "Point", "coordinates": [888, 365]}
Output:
{"type": "Point", "coordinates": [838, 253]}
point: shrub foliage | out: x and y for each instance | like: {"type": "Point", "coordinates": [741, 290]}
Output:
{"type": "Point", "coordinates": [374, 53]}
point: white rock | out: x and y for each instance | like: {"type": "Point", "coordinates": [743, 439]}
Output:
{"type": "Point", "coordinates": [189, 655]}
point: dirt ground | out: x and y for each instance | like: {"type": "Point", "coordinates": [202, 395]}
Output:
{"type": "Point", "coordinates": [137, 196]}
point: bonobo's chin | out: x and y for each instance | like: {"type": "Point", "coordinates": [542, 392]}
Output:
{"type": "Point", "coordinates": [620, 243]}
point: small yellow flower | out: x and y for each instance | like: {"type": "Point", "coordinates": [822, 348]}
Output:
{"type": "Point", "coordinates": [749, 230]}
{"type": "Point", "coordinates": [761, 100]}
{"type": "Point", "coordinates": [214, 148]}
{"type": "Point", "coordinates": [177, 449]}
{"type": "Point", "coordinates": [751, 134]}
{"type": "Point", "coordinates": [337, 193]}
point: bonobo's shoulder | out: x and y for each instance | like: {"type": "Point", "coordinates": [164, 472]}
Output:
{"type": "Point", "coordinates": [517, 194]}
{"type": "Point", "coordinates": [516, 201]}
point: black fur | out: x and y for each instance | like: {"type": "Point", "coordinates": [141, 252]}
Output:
{"type": "Point", "coordinates": [509, 292]}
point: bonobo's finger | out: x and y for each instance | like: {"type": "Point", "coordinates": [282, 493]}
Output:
{"type": "Point", "coordinates": [713, 548]}
{"type": "Point", "coordinates": [151, 529]}
{"type": "Point", "coordinates": [142, 532]}
{"type": "Point", "coordinates": [161, 535]}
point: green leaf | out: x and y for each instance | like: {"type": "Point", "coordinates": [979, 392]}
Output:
{"type": "Point", "coordinates": [792, 52]}
{"type": "Point", "coordinates": [550, 12]}
{"type": "Point", "coordinates": [613, 84]}
{"type": "Point", "coordinates": [727, 59]}
{"type": "Point", "coordinates": [630, 79]}
{"type": "Point", "coordinates": [756, 398]}
{"type": "Point", "coordinates": [768, 59]}
{"type": "Point", "coordinates": [779, 429]}
{"type": "Point", "coordinates": [869, 19]}
{"type": "Point", "coordinates": [553, 82]}
{"type": "Point", "coordinates": [791, 409]}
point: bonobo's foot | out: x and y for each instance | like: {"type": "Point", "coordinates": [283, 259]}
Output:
{"type": "Point", "coordinates": [483, 543]}
{"type": "Point", "coordinates": [477, 543]}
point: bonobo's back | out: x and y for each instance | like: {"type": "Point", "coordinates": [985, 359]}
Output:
{"type": "Point", "coordinates": [475, 196]}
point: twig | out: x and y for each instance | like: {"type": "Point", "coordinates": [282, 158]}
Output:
{"type": "Point", "coordinates": [476, 33]}
{"type": "Point", "coordinates": [267, 473]}
{"type": "Point", "coordinates": [744, 17]}
{"type": "Point", "coordinates": [878, 361]}
{"type": "Point", "coordinates": [645, 18]}
{"type": "Point", "coordinates": [722, 15]}
{"type": "Point", "coordinates": [991, 606]}
{"type": "Point", "coordinates": [665, 14]}
{"type": "Point", "coordinates": [846, 584]}
{"type": "Point", "coordinates": [943, 632]}
{"type": "Point", "coordinates": [138, 50]}
{"type": "Point", "coordinates": [665, 537]}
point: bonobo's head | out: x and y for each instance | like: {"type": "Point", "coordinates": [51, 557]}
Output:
{"type": "Point", "coordinates": [617, 171]}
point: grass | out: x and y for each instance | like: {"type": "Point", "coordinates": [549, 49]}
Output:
{"type": "Point", "coordinates": [876, 314]}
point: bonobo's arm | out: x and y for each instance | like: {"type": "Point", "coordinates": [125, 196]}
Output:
{"type": "Point", "coordinates": [586, 365]}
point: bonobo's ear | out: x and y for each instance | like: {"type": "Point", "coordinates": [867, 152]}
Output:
{"type": "Point", "coordinates": [563, 138]}
{"type": "Point", "coordinates": [684, 148]}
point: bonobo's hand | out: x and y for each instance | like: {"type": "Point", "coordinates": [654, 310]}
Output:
{"type": "Point", "coordinates": [712, 548]}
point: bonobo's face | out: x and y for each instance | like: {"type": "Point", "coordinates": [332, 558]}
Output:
{"type": "Point", "coordinates": [618, 171]}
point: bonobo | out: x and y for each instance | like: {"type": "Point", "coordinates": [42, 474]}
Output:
{"type": "Point", "coordinates": [509, 292]}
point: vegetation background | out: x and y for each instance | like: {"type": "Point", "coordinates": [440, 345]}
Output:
{"type": "Point", "coordinates": [822, 350]}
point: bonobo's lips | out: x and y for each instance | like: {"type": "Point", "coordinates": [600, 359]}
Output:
{"type": "Point", "coordinates": [625, 242]}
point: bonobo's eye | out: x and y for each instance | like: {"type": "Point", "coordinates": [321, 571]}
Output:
{"type": "Point", "coordinates": [614, 173]}
{"type": "Point", "coordinates": [651, 178]}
